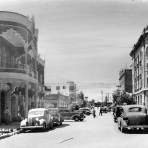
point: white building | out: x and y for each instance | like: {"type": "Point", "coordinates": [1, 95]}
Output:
{"type": "Point", "coordinates": [139, 56]}
{"type": "Point", "coordinates": [65, 88]}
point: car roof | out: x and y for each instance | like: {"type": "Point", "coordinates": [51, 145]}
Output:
{"type": "Point", "coordinates": [126, 107]}
{"type": "Point", "coordinates": [36, 109]}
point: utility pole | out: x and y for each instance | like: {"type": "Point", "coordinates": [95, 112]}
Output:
{"type": "Point", "coordinates": [102, 97]}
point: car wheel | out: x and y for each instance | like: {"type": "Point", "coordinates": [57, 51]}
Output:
{"type": "Point", "coordinates": [51, 126]}
{"type": "Point", "coordinates": [23, 130]}
{"type": "Point", "coordinates": [76, 119]}
{"type": "Point", "coordinates": [81, 119]}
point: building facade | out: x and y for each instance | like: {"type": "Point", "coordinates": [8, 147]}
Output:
{"type": "Point", "coordinates": [125, 80]}
{"type": "Point", "coordinates": [19, 65]}
{"type": "Point", "coordinates": [139, 56]}
{"type": "Point", "coordinates": [65, 88]}
{"type": "Point", "coordinates": [56, 101]}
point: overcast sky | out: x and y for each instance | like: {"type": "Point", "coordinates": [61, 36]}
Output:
{"type": "Point", "coordinates": [84, 40]}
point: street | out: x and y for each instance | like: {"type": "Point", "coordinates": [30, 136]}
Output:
{"type": "Point", "coordinates": [99, 132]}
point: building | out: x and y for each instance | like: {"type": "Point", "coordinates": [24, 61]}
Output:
{"type": "Point", "coordinates": [125, 80]}
{"type": "Point", "coordinates": [56, 101]}
{"type": "Point", "coordinates": [21, 70]}
{"type": "Point", "coordinates": [139, 56]}
{"type": "Point", "coordinates": [65, 88]}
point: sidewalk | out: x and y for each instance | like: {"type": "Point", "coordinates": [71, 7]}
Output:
{"type": "Point", "coordinates": [9, 129]}
{"type": "Point", "coordinates": [13, 125]}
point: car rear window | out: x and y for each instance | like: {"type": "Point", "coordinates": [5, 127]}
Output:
{"type": "Point", "coordinates": [135, 109]}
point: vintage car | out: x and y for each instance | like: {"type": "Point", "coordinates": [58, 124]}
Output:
{"type": "Point", "coordinates": [75, 115]}
{"type": "Point", "coordinates": [37, 118]}
{"type": "Point", "coordinates": [57, 118]}
{"type": "Point", "coordinates": [85, 110]}
{"type": "Point", "coordinates": [132, 117]}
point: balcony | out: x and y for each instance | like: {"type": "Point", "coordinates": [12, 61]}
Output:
{"type": "Point", "coordinates": [10, 67]}
{"type": "Point", "coordinates": [18, 68]}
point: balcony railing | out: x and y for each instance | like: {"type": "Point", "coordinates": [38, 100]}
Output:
{"type": "Point", "coordinates": [11, 67]}
{"type": "Point", "coordinates": [17, 68]}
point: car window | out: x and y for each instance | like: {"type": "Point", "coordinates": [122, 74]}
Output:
{"type": "Point", "coordinates": [135, 109]}
{"type": "Point", "coordinates": [36, 113]}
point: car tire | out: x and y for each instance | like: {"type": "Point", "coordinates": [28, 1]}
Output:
{"type": "Point", "coordinates": [76, 119]}
{"type": "Point", "coordinates": [81, 119]}
{"type": "Point", "coordinates": [23, 130]}
{"type": "Point", "coordinates": [51, 126]}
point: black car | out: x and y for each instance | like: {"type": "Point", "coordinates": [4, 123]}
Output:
{"type": "Point", "coordinates": [75, 115]}
{"type": "Point", "coordinates": [85, 111]}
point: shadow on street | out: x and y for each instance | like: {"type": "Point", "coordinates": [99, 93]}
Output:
{"type": "Point", "coordinates": [47, 130]}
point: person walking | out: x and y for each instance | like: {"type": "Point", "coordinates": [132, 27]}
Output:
{"type": "Point", "coordinates": [100, 112]}
{"type": "Point", "coordinates": [7, 116]}
{"type": "Point", "coordinates": [94, 112]}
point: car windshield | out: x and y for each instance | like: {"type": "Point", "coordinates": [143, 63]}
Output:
{"type": "Point", "coordinates": [135, 109]}
{"type": "Point", "coordinates": [53, 112]}
{"type": "Point", "coordinates": [36, 113]}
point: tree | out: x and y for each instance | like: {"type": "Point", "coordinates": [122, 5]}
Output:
{"type": "Point", "coordinates": [122, 97]}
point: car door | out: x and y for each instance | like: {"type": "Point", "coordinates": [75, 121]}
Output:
{"type": "Point", "coordinates": [66, 114]}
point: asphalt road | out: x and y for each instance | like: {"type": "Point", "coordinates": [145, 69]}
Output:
{"type": "Point", "coordinates": [100, 132]}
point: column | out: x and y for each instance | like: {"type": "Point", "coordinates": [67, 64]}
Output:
{"type": "Point", "coordinates": [0, 106]}
{"type": "Point", "coordinates": [26, 99]}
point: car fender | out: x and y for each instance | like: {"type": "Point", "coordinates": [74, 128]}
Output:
{"type": "Point", "coordinates": [76, 115]}
{"type": "Point", "coordinates": [42, 121]}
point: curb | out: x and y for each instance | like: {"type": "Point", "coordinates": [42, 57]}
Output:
{"type": "Point", "coordinates": [14, 132]}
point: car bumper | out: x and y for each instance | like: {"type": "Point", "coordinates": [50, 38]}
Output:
{"type": "Point", "coordinates": [31, 127]}
{"type": "Point", "coordinates": [136, 127]}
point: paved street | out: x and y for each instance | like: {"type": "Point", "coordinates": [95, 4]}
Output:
{"type": "Point", "coordinates": [100, 132]}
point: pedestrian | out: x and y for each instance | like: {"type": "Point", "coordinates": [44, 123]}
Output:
{"type": "Point", "coordinates": [7, 116]}
{"type": "Point", "coordinates": [94, 113]}
{"type": "Point", "coordinates": [100, 113]}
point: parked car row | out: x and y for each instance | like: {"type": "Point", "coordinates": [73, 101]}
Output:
{"type": "Point", "coordinates": [131, 117]}
{"type": "Point", "coordinates": [42, 118]}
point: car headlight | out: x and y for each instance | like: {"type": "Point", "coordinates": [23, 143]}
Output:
{"type": "Point", "coordinates": [37, 119]}
{"type": "Point", "coordinates": [23, 123]}
{"type": "Point", "coordinates": [41, 121]}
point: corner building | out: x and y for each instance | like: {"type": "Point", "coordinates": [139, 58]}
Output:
{"type": "Point", "coordinates": [19, 75]}
{"type": "Point", "coordinates": [139, 56]}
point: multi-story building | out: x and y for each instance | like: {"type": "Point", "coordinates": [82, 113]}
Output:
{"type": "Point", "coordinates": [125, 80]}
{"type": "Point", "coordinates": [21, 71]}
{"type": "Point", "coordinates": [139, 56]}
{"type": "Point", "coordinates": [67, 89]}
{"type": "Point", "coordinates": [56, 101]}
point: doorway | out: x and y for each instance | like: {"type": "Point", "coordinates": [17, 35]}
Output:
{"type": "Point", "coordinates": [3, 104]}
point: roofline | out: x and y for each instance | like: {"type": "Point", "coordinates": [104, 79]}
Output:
{"type": "Point", "coordinates": [15, 13]}
{"type": "Point", "coordinates": [138, 43]}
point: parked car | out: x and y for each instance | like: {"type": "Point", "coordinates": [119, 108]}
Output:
{"type": "Point", "coordinates": [104, 109]}
{"type": "Point", "coordinates": [85, 110]}
{"type": "Point", "coordinates": [37, 118]}
{"type": "Point", "coordinates": [57, 118]}
{"type": "Point", "coordinates": [133, 117]}
{"type": "Point", "coordinates": [75, 115]}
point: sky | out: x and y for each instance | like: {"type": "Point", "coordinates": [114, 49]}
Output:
{"type": "Point", "coordinates": [85, 41]}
